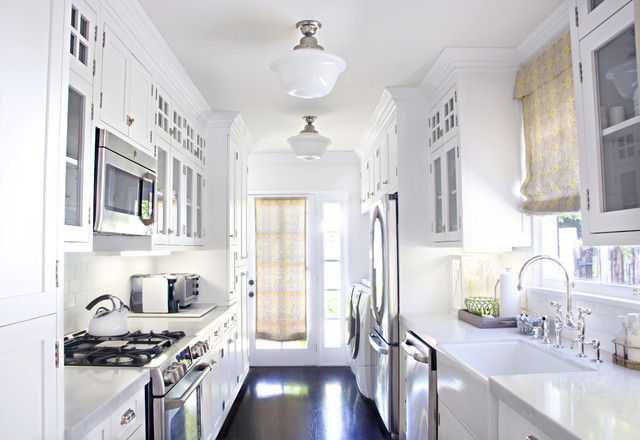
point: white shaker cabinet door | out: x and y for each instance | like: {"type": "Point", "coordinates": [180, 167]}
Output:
{"type": "Point", "coordinates": [113, 90]}
{"type": "Point", "coordinates": [29, 145]}
{"type": "Point", "coordinates": [27, 366]}
{"type": "Point", "coordinates": [140, 109]}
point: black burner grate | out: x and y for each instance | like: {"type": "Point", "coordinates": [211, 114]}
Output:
{"type": "Point", "coordinates": [131, 350]}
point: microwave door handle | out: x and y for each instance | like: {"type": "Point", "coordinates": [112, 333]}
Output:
{"type": "Point", "coordinates": [149, 221]}
{"type": "Point", "coordinates": [170, 404]}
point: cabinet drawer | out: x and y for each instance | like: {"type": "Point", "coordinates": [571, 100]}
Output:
{"type": "Point", "coordinates": [129, 416]}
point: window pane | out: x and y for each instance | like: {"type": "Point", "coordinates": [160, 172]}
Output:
{"type": "Point", "coordinates": [331, 303]}
{"type": "Point", "coordinates": [332, 333]}
{"type": "Point", "coordinates": [332, 275]}
{"type": "Point", "coordinates": [600, 264]}
{"type": "Point", "coordinates": [331, 217]}
{"type": "Point", "coordinates": [332, 246]}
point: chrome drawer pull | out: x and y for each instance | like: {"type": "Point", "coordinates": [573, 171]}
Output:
{"type": "Point", "coordinates": [127, 417]}
{"type": "Point", "coordinates": [531, 437]}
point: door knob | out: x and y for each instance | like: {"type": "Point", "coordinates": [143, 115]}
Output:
{"type": "Point", "coordinates": [251, 282]}
{"type": "Point", "coordinates": [251, 294]}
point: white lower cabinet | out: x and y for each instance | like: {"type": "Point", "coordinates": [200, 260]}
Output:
{"type": "Point", "coordinates": [449, 427]}
{"type": "Point", "coordinates": [125, 423]}
{"type": "Point", "coordinates": [212, 407]}
{"type": "Point", "coordinates": [512, 425]}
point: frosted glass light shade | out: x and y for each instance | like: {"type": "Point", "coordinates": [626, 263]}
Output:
{"type": "Point", "coordinates": [307, 73]}
{"type": "Point", "coordinates": [309, 146]}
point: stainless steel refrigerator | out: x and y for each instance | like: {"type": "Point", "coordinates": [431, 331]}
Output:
{"type": "Point", "coordinates": [383, 272]}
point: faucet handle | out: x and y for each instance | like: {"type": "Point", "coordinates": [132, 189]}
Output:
{"type": "Point", "coordinates": [582, 312]}
{"type": "Point", "coordinates": [557, 305]}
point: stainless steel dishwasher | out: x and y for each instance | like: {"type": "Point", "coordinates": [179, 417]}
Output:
{"type": "Point", "coordinates": [422, 397]}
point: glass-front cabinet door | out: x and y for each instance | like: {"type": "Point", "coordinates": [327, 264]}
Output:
{"type": "Point", "coordinates": [612, 125]}
{"type": "Point", "coordinates": [78, 221]}
{"type": "Point", "coordinates": [590, 13]}
{"type": "Point", "coordinates": [444, 194]}
{"type": "Point", "coordinates": [163, 193]}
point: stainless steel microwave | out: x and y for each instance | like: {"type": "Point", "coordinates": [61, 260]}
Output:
{"type": "Point", "coordinates": [125, 187]}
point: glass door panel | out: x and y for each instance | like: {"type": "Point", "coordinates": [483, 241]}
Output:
{"type": "Point", "coordinates": [175, 218]}
{"type": "Point", "coordinates": [199, 189]}
{"type": "Point", "coordinates": [78, 221]}
{"type": "Point", "coordinates": [74, 158]}
{"type": "Point", "coordinates": [437, 185]}
{"type": "Point", "coordinates": [452, 190]}
{"type": "Point", "coordinates": [189, 203]}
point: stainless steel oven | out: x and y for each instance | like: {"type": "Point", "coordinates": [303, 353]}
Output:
{"type": "Point", "coordinates": [125, 187]}
{"type": "Point", "coordinates": [178, 384]}
{"type": "Point", "coordinates": [178, 415]}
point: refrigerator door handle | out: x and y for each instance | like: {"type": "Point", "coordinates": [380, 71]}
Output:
{"type": "Point", "coordinates": [374, 340]}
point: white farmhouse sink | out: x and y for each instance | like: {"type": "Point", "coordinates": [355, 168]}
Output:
{"type": "Point", "coordinates": [464, 370]}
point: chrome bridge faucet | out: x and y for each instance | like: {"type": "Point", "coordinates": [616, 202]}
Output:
{"type": "Point", "coordinates": [568, 322]}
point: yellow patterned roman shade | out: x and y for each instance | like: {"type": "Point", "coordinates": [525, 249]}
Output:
{"type": "Point", "coordinates": [281, 267]}
{"type": "Point", "coordinates": [545, 87]}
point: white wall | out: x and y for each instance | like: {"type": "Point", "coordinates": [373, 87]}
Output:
{"type": "Point", "coordinates": [333, 172]}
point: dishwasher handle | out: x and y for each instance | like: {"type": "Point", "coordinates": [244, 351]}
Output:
{"type": "Point", "coordinates": [414, 352]}
{"type": "Point", "coordinates": [374, 340]}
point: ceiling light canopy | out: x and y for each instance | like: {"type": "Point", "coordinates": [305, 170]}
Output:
{"type": "Point", "coordinates": [308, 144]}
{"type": "Point", "coordinates": [308, 71]}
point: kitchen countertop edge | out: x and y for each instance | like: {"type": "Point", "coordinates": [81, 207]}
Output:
{"type": "Point", "coordinates": [528, 394]}
{"type": "Point", "coordinates": [85, 413]}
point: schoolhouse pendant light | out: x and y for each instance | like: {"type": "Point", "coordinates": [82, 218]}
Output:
{"type": "Point", "coordinates": [308, 71]}
{"type": "Point", "coordinates": [308, 144]}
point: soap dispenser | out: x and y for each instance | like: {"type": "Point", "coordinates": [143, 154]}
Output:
{"type": "Point", "coordinates": [633, 337]}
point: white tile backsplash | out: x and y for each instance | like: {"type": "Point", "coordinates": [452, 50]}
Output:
{"type": "Point", "coordinates": [88, 276]}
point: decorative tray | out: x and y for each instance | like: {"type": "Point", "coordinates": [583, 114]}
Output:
{"type": "Point", "coordinates": [486, 322]}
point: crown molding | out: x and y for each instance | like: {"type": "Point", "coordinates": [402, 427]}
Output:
{"type": "Point", "coordinates": [385, 111]}
{"type": "Point", "coordinates": [165, 67]}
{"type": "Point", "coordinates": [234, 123]}
{"type": "Point", "coordinates": [556, 25]}
{"type": "Point", "coordinates": [457, 60]}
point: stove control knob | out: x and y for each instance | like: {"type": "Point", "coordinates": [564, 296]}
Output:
{"type": "Point", "coordinates": [198, 350]}
{"type": "Point", "coordinates": [182, 368]}
{"type": "Point", "coordinates": [170, 376]}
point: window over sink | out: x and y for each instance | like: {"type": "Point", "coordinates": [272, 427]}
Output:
{"type": "Point", "coordinates": [605, 270]}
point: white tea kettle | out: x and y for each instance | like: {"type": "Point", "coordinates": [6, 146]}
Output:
{"type": "Point", "coordinates": [108, 322]}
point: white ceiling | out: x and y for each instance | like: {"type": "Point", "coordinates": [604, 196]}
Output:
{"type": "Point", "coordinates": [226, 46]}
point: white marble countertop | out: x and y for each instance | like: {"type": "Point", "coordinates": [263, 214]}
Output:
{"type": "Point", "coordinates": [91, 394]}
{"type": "Point", "coordinates": [588, 405]}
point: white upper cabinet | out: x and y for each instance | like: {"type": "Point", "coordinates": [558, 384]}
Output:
{"type": "Point", "coordinates": [379, 174]}
{"type": "Point", "coordinates": [443, 120]}
{"type": "Point", "coordinates": [83, 34]}
{"type": "Point", "coordinates": [589, 14]}
{"type": "Point", "coordinates": [474, 151]}
{"type": "Point", "coordinates": [81, 29]}
{"type": "Point", "coordinates": [444, 173]}
{"type": "Point", "coordinates": [30, 134]}
{"type": "Point", "coordinates": [606, 82]}
{"type": "Point", "coordinates": [125, 98]}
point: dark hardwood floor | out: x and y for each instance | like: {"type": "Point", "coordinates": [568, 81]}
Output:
{"type": "Point", "coordinates": [298, 403]}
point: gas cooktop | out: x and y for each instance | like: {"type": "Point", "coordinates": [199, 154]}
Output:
{"type": "Point", "coordinates": [131, 350]}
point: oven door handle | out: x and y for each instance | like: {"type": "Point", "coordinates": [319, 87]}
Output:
{"type": "Point", "coordinates": [170, 404]}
